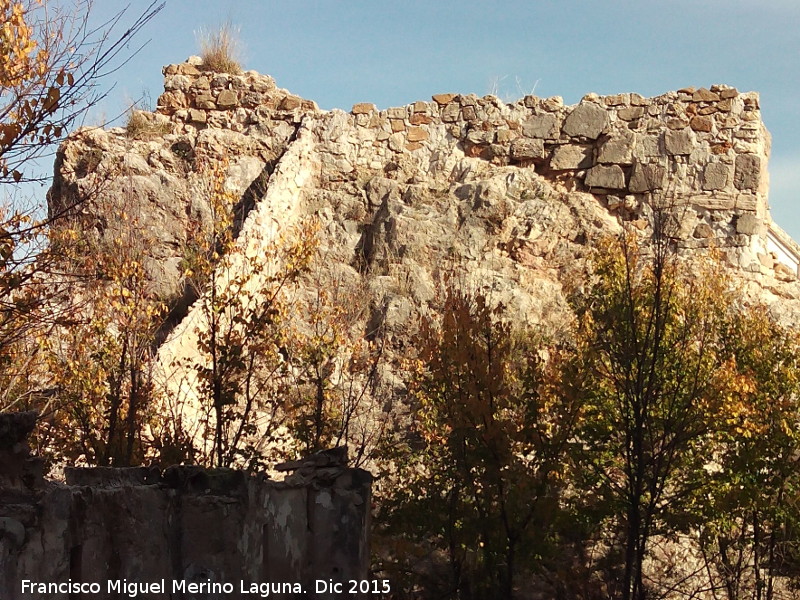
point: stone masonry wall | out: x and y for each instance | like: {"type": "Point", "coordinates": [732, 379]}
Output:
{"type": "Point", "coordinates": [185, 523]}
{"type": "Point", "coordinates": [703, 150]}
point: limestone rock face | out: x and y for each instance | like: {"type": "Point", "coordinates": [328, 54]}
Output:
{"type": "Point", "coordinates": [512, 196]}
{"type": "Point", "coordinates": [153, 177]}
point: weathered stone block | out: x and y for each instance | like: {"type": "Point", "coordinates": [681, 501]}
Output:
{"type": "Point", "coordinates": [252, 99]}
{"type": "Point", "coordinates": [290, 103]}
{"type": "Point", "coordinates": [468, 113]}
{"type": "Point", "coordinates": [478, 136]}
{"type": "Point", "coordinates": [363, 108]}
{"type": "Point", "coordinates": [748, 224]}
{"type": "Point", "coordinates": [618, 148]}
{"type": "Point", "coordinates": [646, 146]}
{"type": "Point", "coordinates": [703, 231]}
{"type": "Point", "coordinates": [227, 99]}
{"type": "Point", "coordinates": [527, 149]}
{"type": "Point", "coordinates": [187, 69]}
{"type": "Point", "coordinates": [716, 176]}
{"type": "Point", "coordinates": [708, 110]}
{"type": "Point", "coordinates": [703, 124]}
{"type": "Point", "coordinates": [172, 100]}
{"type": "Point", "coordinates": [610, 177]}
{"type": "Point", "coordinates": [716, 202]}
{"type": "Point", "coordinates": [543, 126]}
{"type": "Point", "coordinates": [177, 82]}
{"type": "Point", "coordinates": [750, 202]}
{"type": "Point", "coordinates": [417, 134]}
{"type": "Point", "coordinates": [205, 101]}
{"type": "Point", "coordinates": [571, 156]}
{"type": "Point", "coordinates": [677, 123]}
{"type": "Point", "coordinates": [747, 174]}
{"type": "Point", "coordinates": [443, 99]}
{"type": "Point", "coordinates": [506, 135]}
{"type": "Point", "coordinates": [552, 103]}
{"type": "Point", "coordinates": [396, 142]}
{"type": "Point", "coordinates": [704, 95]}
{"type": "Point", "coordinates": [468, 100]}
{"type": "Point", "coordinates": [616, 99]}
{"type": "Point", "coordinates": [631, 113]}
{"type": "Point", "coordinates": [450, 112]}
{"type": "Point", "coordinates": [646, 178]}
{"type": "Point", "coordinates": [420, 119]}
{"type": "Point", "coordinates": [586, 120]}
{"type": "Point", "coordinates": [679, 142]}
{"type": "Point", "coordinates": [724, 106]}
{"type": "Point", "coordinates": [201, 84]}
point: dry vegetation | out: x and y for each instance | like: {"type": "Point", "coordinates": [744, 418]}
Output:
{"type": "Point", "coordinates": [142, 125]}
{"type": "Point", "coordinates": [220, 48]}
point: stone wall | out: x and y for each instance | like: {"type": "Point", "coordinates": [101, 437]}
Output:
{"type": "Point", "coordinates": [184, 523]}
{"type": "Point", "coordinates": [704, 151]}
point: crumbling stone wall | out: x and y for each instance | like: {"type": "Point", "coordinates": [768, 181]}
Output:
{"type": "Point", "coordinates": [702, 150]}
{"type": "Point", "coordinates": [184, 523]}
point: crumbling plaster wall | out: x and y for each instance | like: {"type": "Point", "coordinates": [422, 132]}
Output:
{"type": "Point", "coordinates": [185, 523]}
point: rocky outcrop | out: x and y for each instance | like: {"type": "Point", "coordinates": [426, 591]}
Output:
{"type": "Point", "coordinates": [512, 196]}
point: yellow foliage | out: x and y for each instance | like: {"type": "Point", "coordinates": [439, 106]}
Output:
{"type": "Point", "coordinates": [19, 60]}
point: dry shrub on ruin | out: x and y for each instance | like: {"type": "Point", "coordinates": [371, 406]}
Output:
{"type": "Point", "coordinates": [220, 49]}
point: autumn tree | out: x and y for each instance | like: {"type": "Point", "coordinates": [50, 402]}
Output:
{"type": "Point", "coordinates": [99, 361]}
{"type": "Point", "coordinates": [336, 396]}
{"type": "Point", "coordinates": [482, 482]}
{"type": "Point", "coordinates": [52, 64]}
{"type": "Point", "coordinates": [748, 513]}
{"type": "Point", "coordinates": [240, 373]}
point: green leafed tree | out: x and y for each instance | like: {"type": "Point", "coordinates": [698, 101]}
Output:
{"type": "Point", "coordinates": [677, 375]}
{"type": "Point", "coordinates": [650, 333]}
{"type": "Point", "coordinates": [748, 514]}
{"type": "Point", "coordinates": [482, 482]}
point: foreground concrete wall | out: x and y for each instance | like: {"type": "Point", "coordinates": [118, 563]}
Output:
{"type": "Point", "coordinates": [142, 526]}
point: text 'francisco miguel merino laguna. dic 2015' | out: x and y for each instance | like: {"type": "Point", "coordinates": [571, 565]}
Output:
{"type": "Point", "coordinates": [132, 589]}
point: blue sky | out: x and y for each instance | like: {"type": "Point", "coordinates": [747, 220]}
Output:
{"type": "Point", "coordinates": [392, 53]}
